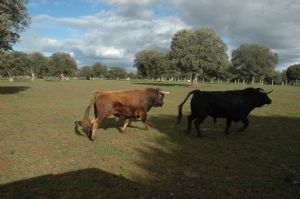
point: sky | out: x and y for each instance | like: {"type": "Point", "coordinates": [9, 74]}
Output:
{"type": "Point", "coordinates": [113, 31]}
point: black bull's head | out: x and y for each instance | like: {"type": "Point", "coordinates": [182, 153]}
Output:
{"type": "Point", "coordinates": [263, 97]}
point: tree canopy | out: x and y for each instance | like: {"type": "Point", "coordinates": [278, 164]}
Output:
{"type": "Point", "coordinates": [152, 64]}
{"type": "Point", "coordinates": [62, 63]}
{"type": "Point", "coordinates": [13, 63]}
{"type": "Point", "coordinates": [293, 72]}
{"type": "Point", "coordinates": [39, 64]}
{"type": "Point", "coordinates": [99, 70]}
{"type": "Point", "coordinates": [254, 61]}
{"type": "Point", "coordinates": [117, 72]}
{"type": "Point", "coordinates": [14, 19]}
{"type": "Point", "coordinates": [200, 51]}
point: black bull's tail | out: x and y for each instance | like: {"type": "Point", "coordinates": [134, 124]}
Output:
{"type": "Point", "coordinates": [179, 117]}
{"type": "Point", "coordinates": [89, 115]}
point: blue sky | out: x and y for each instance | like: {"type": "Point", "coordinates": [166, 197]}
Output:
{"type": "Point", "coordinates": [113, 31]}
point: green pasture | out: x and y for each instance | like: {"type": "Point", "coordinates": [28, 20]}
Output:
{"type": "Point", "coordinates": [43, 155]}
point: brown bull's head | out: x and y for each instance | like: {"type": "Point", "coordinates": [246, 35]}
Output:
{"type": "Point", "coordinates": [159, 101]}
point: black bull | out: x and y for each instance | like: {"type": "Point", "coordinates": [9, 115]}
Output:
{"type": "Point", "coordinates": [233, 105]}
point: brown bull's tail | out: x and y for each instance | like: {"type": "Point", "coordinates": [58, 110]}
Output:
{"type": "Point", "coordinates": [89, 115]}
{"type": "Point", "coordinates": [179, 117]}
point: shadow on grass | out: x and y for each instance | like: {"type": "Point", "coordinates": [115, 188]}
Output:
{"type": "Point", "coordinates": [161, 84]}
{"type": "Point", "coordinates": [86, 183]}
{"type": "Point", "coordinates": [261, 162]}
{"type": "Point", "coordinates": [6, 90]}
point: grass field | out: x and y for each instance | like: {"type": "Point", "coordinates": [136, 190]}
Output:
{"type": "Point", "coordinates": [43, 156]}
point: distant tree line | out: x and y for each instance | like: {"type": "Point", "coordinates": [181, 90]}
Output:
{"type": "Point", "coordinates": [100, 71]}
{"type": "Point", "coordinates": [201, 54]}
{"type": "Point", "coordinates": [194, 55]}
{"type": "Point", "coordinates": [14, 64]}
{"type": "Point", "coordinates": [59, 65]}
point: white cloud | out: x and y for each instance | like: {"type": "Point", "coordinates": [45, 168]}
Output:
{"type": "Point", "coordinates": [106, 37]}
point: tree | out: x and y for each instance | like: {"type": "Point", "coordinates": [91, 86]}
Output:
{"type": "Point", "coordinates": [152, 63]}
{"type": "Point", "coordinates": [13, 20]}
{"type": "Point", "coordinates": [117, 72]}
{"type": "Point", "coordinates": [275, 77]}
{"type": "Point", "coordinates": [62, 64]}
{"type": "Point", "coordinates": [254, 61]}
{"type": "Point", "coordinates": [86, 71]}
{"type": "Point", "coordinates": [39, 64]}
{"type": "Point", "coordinates": [99, 70]}
{"type": "Point", "coordinates": [198, 52]}
{"type": "Point", "coordinates": [132, 75]}
{"type": "Point", "coordinates": [293, 72]}
{"type": "Point", "coordinates": [14, 64]}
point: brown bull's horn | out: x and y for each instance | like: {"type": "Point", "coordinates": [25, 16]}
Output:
{"type": "Point", "coordinates": [165, 92]}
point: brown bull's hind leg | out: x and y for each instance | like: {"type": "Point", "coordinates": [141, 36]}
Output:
{"type": "Point", "coordinates": [95, 125]}
{"type": "Point", "coordinates": [94, 128]}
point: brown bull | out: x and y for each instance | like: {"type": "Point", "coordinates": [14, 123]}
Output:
{"type": "Point", "coordinates": [133, 103]}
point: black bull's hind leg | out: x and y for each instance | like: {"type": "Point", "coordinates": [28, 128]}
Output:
{"type": "Point", "coordinates": [197, 126]}
{"type": "Point", "coordinates": [191, 117]}
{"type": "Point", "coordinates": [246, 124]}
{"type": "Point", "coordinates": [228, 124]}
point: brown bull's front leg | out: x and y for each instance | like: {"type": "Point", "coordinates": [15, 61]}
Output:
{"type": "Point", "coordinates": [144, 119]}
{"type": "Point", "coordinates": [127, 120]}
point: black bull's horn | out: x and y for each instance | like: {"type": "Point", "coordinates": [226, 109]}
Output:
{"type": "Point", "coordinates": [165, 92]}
{"type": "Point", "coordinates": [262, 91]}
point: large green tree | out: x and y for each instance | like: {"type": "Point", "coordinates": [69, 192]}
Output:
{"type": "Point", "coordinates": [14, 19]}
{"type": "Point", "coordinates": [87, 72]}
{"type": "Point", "coordinates": [152, 64]}
{"type": "Point", "coordinates": [99, 70]}
{"type": "Point", "coordinates": [39, 64]}
{"type": "Point", "coordinates": [117, 72]}
{"type": "Point", "coordinates": [61, 63]}
{"type": "Point", "coordinates": [293, 72]}
{"type": "Point", "coordinates": [13, 64]}
{"type": "Point", "coordinates": [254, 61]}
{"type": "Point", "coordinates": [198, 52]}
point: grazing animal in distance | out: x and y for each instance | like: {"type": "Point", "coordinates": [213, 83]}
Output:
{"type": "Point", "coordinates": [233, 105]}
{"type": "Point", "coordinates": [134, 103]}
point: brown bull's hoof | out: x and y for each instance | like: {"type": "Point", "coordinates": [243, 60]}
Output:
{"type": "Point", "coordinates": [91, 139]}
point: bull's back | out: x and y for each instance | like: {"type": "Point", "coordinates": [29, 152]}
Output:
{"type": "Point", "coordinates": [128, 98]}
{"type": "Point", "coordinates": [217, 104]}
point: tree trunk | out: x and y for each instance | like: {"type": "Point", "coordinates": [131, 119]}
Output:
{"type": "Point", "coordinates": [194, 79]}
{"type": "Point", "coordinates": [253, 80]}
{"type": "Point", "coordinates": [10, 77]}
